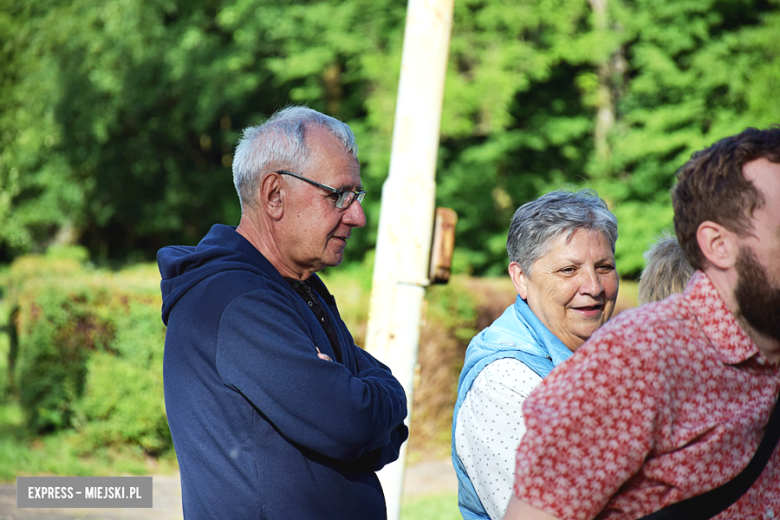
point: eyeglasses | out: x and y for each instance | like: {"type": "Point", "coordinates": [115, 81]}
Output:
{"type": "Point", "coordinates": [345, 198]}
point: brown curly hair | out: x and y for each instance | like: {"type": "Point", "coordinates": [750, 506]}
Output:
{"type": "Point", "coordinates": [711, 186]}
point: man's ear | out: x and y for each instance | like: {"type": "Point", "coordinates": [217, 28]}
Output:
{"type": "Point", "coordinates": [519, 280]}
{"type": "Point", "coordinates": [717, 244]}
{"type": "Point", "coordinates": [271, 195]}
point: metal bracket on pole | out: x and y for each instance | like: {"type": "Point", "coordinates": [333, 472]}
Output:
{"type": "Point", "coordinates": [443, 245]}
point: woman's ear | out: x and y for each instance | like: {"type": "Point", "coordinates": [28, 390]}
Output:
{"type": "Point", "coordinates": [519, 280]}
{"type": "Point", "coordinates": [718, 244]}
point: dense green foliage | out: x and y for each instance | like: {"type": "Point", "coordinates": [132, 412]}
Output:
{"type": "Point", "coordinates": [88, 352]}
{"type": "Point", "coordinates": [118, 118]}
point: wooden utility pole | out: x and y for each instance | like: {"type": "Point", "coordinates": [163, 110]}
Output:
{"type": "Point", "coordinates": [407, 212]}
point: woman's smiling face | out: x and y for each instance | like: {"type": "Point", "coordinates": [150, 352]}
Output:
{"type": "Point", "coordinates": [573, 287]}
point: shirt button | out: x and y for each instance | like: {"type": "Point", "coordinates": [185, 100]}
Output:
{"type": "Point", "coordinates": [310, 303]}
{"type": "Point", "coordinates": [770, 513]}
{"type": "Point", "coordinates": [761, 361]}
{"type": "Point", "coordinates": [323, 318]}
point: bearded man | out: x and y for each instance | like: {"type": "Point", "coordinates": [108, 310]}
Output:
{"type": "Point", "coordinates": [670, 400]}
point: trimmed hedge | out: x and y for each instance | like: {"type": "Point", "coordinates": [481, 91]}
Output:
{"type": "Point", "coordinates": [88, 350]}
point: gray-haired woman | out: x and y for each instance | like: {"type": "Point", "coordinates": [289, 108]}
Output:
{"type": "Point", "coordinates": [562, 263]}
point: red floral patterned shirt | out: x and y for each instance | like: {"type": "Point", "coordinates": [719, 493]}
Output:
{"type": "Point", "coordinates": [663, 403]}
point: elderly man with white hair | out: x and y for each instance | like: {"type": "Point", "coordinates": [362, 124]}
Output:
{"type": "Point", "coordinates": [273, 410]}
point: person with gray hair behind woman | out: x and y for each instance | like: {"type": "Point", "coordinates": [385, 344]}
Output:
{"type": "Point", "coordinates": [561, 249]}
{"type": "Point", "coordinates": [666, 271]}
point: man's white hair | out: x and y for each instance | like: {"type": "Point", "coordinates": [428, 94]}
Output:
{"type": "Point", "coordinates": [280, 143]}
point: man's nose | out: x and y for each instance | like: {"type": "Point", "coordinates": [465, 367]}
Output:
{"type": "Point", "coordinates": [355, 216]}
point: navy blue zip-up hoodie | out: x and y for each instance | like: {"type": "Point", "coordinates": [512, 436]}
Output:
{"type": "Point", "coordinates": [263, 428]}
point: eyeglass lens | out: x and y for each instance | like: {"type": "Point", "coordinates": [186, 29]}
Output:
{"type": "Point", "coordinates": [348, 197]}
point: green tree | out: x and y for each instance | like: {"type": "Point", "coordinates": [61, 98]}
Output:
{"type": "Point", "coordinates": [118, 118]}
{"type": "Point", "coordinates": [696, 71]}
{"type": "Point", "coordinates": [609, 94]}
{"type": "Point", "coordinates": [122, 115]}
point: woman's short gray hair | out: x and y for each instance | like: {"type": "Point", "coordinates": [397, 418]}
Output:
{"type": "Point", "coordinates": [536, 223]}
{"type": "Point", "coordinates": [280, 143]}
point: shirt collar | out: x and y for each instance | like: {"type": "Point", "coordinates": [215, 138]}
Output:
{"type": "Point", "coordinates": [721, 327]}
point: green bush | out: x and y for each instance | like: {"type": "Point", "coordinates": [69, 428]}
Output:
{"type": "Point", "coordinates": [89, 351]}
{"type": "Point", "coordinates": [123, 401]}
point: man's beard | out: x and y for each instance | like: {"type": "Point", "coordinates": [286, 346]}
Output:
{"type": "Point", "coordinates": [757, 297]}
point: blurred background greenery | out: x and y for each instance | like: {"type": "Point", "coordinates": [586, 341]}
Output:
{"type": "Point", "coordinates": [118, 120]}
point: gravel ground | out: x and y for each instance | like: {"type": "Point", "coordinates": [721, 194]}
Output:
{"type": "Point", "coordinates": [424, 478]}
